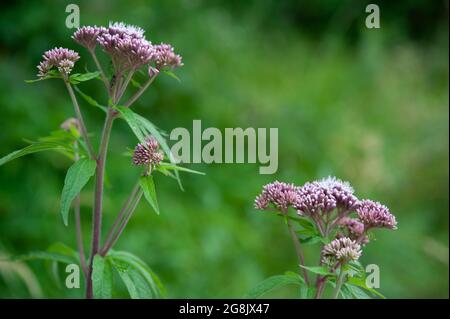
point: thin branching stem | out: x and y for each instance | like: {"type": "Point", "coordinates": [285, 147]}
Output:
{"type": "Point", "coordinates": [119, 219]}
{"type": "Point", "coordinates": [339, 282]}
{"type": "Point", "coordinates": [130, 212]}
{"type": "Point", "coordinates": [298, 249]}
{"type": "Point", "coordinates": [83, 129]}
{"type": "Point", "coordinates": [78, 224]}
{"type": "Point", "coordinates": [100, 69]}
{"type": "Point", "coordinates": [140, 91]}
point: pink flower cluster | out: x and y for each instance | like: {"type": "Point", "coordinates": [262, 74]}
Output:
{"type": "Point", "coordinates": [320, 199]}
{"type": "Point", "coordinates": [61, 58]}
{"type": "Point", "coordinates": [127, 46]}
{"type": "Point", "coordinates": [147, 153]}
{"type": "Point", "coordinates": [341, 250]}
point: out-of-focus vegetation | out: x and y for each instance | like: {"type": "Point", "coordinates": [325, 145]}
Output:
{"type": "Point", "coordinates": [369, 106]}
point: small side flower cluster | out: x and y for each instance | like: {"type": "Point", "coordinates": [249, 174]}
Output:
{"type": "Point", "coordinates": [280, 195]}
{"type": "Point", "coordinates": [341, 250]}
{"type": "Point", "coordinates": [61, 58]}
{"type": "Point", "coordinates": [329, 203]}
{"type": "Point", "coordinates": [147, 153]}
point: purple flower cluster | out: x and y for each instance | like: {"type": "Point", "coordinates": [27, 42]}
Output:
{"type": "Point", "coordinates": [280, 195]}
{"type": "Point", "coordinates": [341, 249]}
{"type": "Point", "coordinates": [147, 153]}
{"type": "Point", "coordinates": [87, 36]}
{"type": "Point", "coordinates": [373, 214]}
{"type": "Point", "coordinates": [325, 195]}
{"type": "Point", "coordinates": [127, 47]}
{"type": "Point", "coordinates": [166, 57]}
{"type": "Point", "coordinates": [61, 58]}
{"type": "Point", "coordinates": [354, 226]}
{"type": "Point", "coordinates": [319, 199]}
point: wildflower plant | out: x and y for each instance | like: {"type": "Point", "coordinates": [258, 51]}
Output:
{"type": "Point", "coordinates": [130, 54]}
{"type": "Point", "coordinates": [327, 214]}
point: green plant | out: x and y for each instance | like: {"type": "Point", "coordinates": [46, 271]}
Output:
{"type": "Point", "coordinates": [324, 214]}
{"type": "Point", "coordinates": [129, 52]}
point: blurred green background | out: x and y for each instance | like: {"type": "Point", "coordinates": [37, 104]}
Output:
{"type": "Point", "coordinates": [367, 105]}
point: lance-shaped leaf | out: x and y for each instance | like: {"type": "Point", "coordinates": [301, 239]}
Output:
{"type": "Point", "coordinates": [274, 282]}
{"type": "Point", "coordinates": [33, 148]}
{"type": "Point", "coordinates": [102, 278]}
{"type": "Point", "coordinates": [77, 176]}
{"type": "Point", "coordinates": [148, 187]}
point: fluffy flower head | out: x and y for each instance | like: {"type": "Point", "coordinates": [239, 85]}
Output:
{"type": "Point", "coordinates": [166, 57]}
{"type": "Point", "coordinates": [87, 36]}
{"type": "Point", "coordinates": [61, 58]}
{"type": "Point", "coordinates": [374, 214]}
{"type": "Point", "coordinates": [147, 153]}
{"type": "Point", "coordinates": [341, 249]}
{"type": "Point", "coordinates": [281, 195]}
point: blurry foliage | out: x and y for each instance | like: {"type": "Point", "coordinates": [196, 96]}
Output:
{"type": "Point", "coordinates": [369, 106]}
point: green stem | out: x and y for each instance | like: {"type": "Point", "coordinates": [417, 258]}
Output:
{"type": "Point", "coordinates": [140, 91]}
{"type": "Point", "coordinates": [98, 200]}
{"type": "Point", "coordinates": [80, 119]}
{"type": "Point", "coordinates": [118, 220]}
{"type": "Point", "coordinates": [298, 249]}
{"type": "Point", "coordinates": [339, 282]}
{"type": "Point", "coordinates": [100, 69]}
{"type": "Point", "coordinates": [130, 212]}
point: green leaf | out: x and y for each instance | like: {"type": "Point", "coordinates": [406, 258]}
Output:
{"type": "Point", "coordinates": [307, 292]}
{"type": "Point", "coordinates": [323, 271]}
{"type": "Point", "coordinates": [167, 166]}
{"type": "Point", "coordinates": [36, 147]}
{"type": "Point", "coordinates": [359, 282]}
{"type": "Point", "coordinates": [142, 268]}
{"type": "Point", "coordinates": [355, 291]}
{"type": "Point", "coordinates": [272, 283]}
{"type": "Point", "coordinates": [142, 128]}
{"type": "Point", "coordinates": [311, 240]}
{"type": "Point", "coordinates": [172, 75]}
{"type": "Point", "coordinates": [133, 123]}
{"type": "Point", "coordinates": [345, 292]}
{"type": "Point", "coordinates": [77, 177]}
{"type": "Point", "coordinates": [63, 249]}
{"type": "Point", "coordinates": [102, 278]}
{"type": "Point", "coordinates": [45, 255]}
{"type": "Point", "coordinates": [77, 77]}
{"type": "Point", "coordinates": [148, 187]}
{"type": "Point", "coordinates": [90, 100]}
{"type": "Point", "coordinates": [52, 74]}
{"type": "Point", "coordinates": [306, 223]}
{"type": "Point", "coordinates": [133, 280]}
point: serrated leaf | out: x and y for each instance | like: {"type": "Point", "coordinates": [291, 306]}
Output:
{"type": "Point", "coordinates": [77, 177]}
{"type": "Point", "coordinates": [272, 283]}
{"type": "Point", "coordinates": [148, 187]}
{"type": "Point", "coordinates": [82, 77]}
{"type": "Point", "coordinates": [319, 270]}
{"type": "Point", "coordinates": [359, 282]}
{"type": "Point", "coordinates": [357, 292]}
{"type": "Point", "coordinates": [102, 278]}
{"type": "Point", "coordinates": [36, 147]}
{"type": "Point", "coordinates": [144, 270]}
